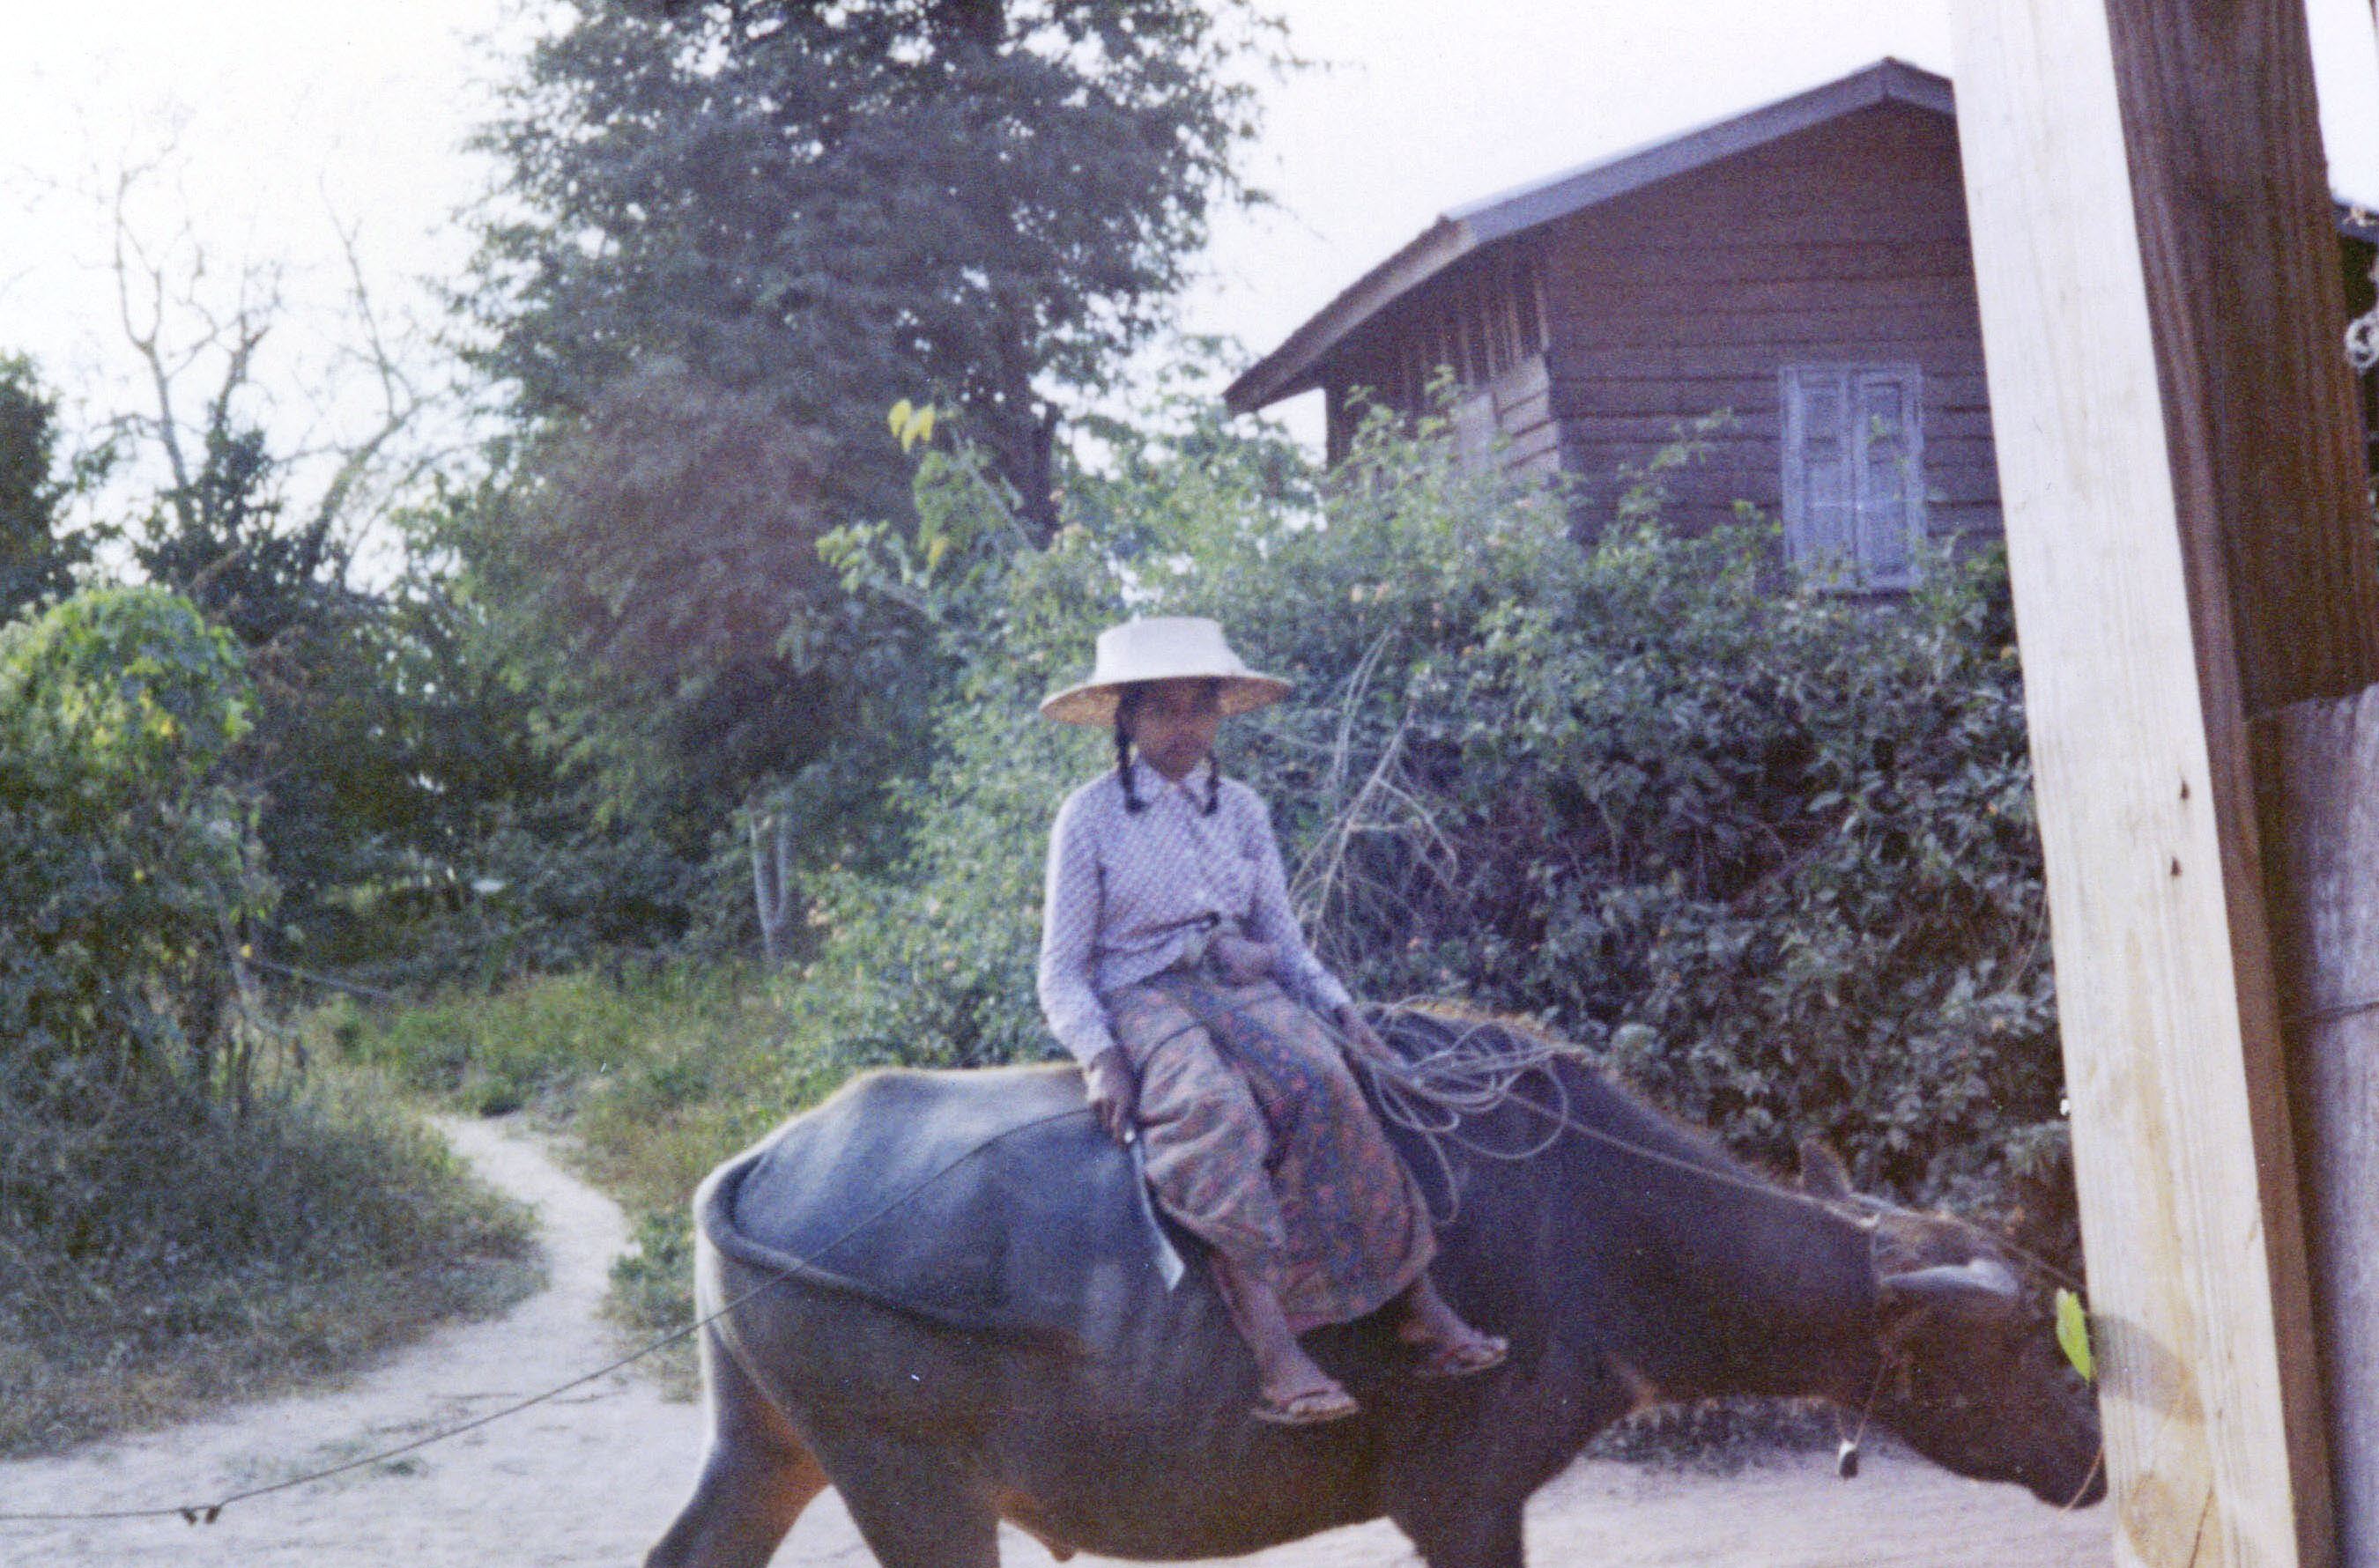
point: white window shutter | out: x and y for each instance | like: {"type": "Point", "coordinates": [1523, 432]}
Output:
{"type": "Point", "coordinates": [1853, 465]}
{"type": "Point", "coordinates": [1889, 460]}
{"type": "Point", "coordinates": [1819, 493]}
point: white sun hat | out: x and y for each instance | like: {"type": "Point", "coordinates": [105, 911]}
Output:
{"type": "Point", "coordinates": [1162, 647]}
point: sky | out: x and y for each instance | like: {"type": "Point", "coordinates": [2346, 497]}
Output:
{"type": "Point", "coordinates": [269, 124]}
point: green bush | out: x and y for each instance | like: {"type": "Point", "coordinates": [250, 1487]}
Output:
{"type": "Point", "coordinates": [1770, 851]}
{"type": "Point", "coordinates": [182, 1213]}
{"type": "Point", "coordinates": [128, 878]}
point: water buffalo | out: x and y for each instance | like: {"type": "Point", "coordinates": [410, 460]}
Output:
{"type": "Point", "coordinates": [966, 1337]}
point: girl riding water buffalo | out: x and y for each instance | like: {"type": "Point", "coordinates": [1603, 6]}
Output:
{"type": "Point", "coordinates": [1172, 967]}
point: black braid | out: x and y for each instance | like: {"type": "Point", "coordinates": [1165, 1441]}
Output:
{"type": "Point", "coordinates": [1124, 705]}
{"type": "Point", "coordinates": [1213, 783]}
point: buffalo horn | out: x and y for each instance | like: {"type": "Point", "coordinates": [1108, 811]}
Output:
{"type": "Point", "coordinates": [1985, 1282]}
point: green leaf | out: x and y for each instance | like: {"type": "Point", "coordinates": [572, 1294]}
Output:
{"type": "Point", "coordinates": [2074, 1335]}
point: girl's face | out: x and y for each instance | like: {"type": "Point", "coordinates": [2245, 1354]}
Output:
{"type": "Point", "coordinates": [1173, 723]}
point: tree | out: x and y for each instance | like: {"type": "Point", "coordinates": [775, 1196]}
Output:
{"type": "Point", "coordinates": [730, 235]}
{"type": "Point", "coordinates": [262, 535]}
{"type": "Point", "coordinates": [36, 561]}
{"type": "Point", "coordinates": [987, 200]}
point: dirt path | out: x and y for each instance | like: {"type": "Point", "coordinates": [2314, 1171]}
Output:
{"type": "Point", "coordinates": [595, 1478]}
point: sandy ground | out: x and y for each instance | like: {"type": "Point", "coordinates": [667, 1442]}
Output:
{"type": "Point", "coordinates": [594, 1476]}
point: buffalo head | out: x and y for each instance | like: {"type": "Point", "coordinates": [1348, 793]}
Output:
{"type": "Point", "coordinates": [1968, 1369]}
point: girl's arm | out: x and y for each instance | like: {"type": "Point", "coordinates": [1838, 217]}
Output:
{"type": "Point", "coordinates": [1070, 924]}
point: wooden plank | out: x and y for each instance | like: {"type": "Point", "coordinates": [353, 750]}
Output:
{"type": "Point", "coordinates": [1883, 202]}
{"type": "Point", "coordinates": [1684, 291]}
{"type": "Point", "coordinates": [1761, 429]}
{"type": "Point", "coordinates": [1622, 324]}
{"type": "Point", "coordinates": [1838, 332]}
{"type": "Point", "coordinates": [2239, 241]}
{"type": "Point", "coordinates": [1953, 369]}
{"type": "Point", "coordinates": [2267, 391]}
{"type": "Point", "coordinates": [2322, 821]}
{"type": "Point", "coordinates": [2127, 434]}
{"type": "Point", "coordinates": [1616, 263]}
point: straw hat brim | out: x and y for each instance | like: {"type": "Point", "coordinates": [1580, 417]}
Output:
{"type": "Point", "coordinates": [1094, 702]}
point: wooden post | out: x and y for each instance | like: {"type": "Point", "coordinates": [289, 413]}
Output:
{"type": "Point", "coordinates": [2321, 816]}
{"type": "Point", "coordinates": [2160, 305]}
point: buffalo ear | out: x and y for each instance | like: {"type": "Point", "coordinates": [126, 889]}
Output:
{"type": "Point", "coordinates": [1822, 1174]}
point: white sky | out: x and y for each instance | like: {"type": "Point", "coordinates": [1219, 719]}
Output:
{"type": "Point", "coordinates": [281, 111]}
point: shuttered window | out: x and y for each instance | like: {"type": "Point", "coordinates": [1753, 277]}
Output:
{"type": "Point", "coordinates": [1853, 474]}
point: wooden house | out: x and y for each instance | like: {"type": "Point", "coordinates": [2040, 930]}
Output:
{"type": "Point", "coordinates": [1805, 266]}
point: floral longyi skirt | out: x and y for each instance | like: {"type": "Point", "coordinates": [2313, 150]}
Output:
{"type": "Point", "coordinates": [1259, 1142]}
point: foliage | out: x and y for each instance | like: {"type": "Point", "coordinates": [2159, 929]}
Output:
{"type": "Point", "coordinates": [127, 874]}
{"type": "Point", "coordinates": [728, 237]}
{"type": "Point", "coordinates": [976, 198]}
{"type": "Point", "coordinates": [165, 1203]}
{"type": "Point", "coordinates": [36, 560]}
{"type": "Point", "coordinates": [1769, 851]}
{"type": "Point", "coordinates": [661, 592]}
{"type": "Point", "coordinates": [323, 755]}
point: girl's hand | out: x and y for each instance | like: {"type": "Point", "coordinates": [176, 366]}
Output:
{"type": "Point", "coordinates": [1363, 1042]}
{"type": "Point", "coordinates": [1114, 1093]}
{"type": "Point", "coordinates": [1242, 961]}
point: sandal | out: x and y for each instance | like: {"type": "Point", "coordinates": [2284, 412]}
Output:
{"type": "Point", "coordinates": [1308, 1407]}
{"type": "Point", "coordinates": [1464, 1358]}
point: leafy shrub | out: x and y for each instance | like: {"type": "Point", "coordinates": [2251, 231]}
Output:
{"type": "Point", "coordinates": [127, 874]}
{"type": "Point", "coordinates": [182, 1214]}
{"type": "Point", "coordinates": [1770, 851]}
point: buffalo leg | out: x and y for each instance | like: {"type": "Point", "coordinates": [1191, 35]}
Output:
{"type": "Point", "coordinates": [1474, 1535]}
{"type": "Point", "coordinates": [914, 1509]}
{"type": "Point", "coordinates": [755, 1480]}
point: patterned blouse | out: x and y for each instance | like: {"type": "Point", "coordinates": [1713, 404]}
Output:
{"type": "Point", "coordinates": [1127, 893]}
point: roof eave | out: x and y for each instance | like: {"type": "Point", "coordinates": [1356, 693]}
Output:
{"type": "Point", "coordinates": [1295, 365]}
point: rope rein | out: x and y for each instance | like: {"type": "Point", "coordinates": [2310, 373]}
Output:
{"type": "Point", "coordinates": [1431, 1095]}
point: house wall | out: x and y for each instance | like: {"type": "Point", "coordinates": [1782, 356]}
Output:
{"type": "Point", "coordinates": [1482, 322]}
{"type": "Point", "coordinates": [1847, 243]}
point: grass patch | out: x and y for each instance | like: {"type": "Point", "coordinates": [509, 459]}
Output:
{"type": "Point", "coordinates": [214, 1256]}
{"type": "Point", "coordinates": [656, 1078]}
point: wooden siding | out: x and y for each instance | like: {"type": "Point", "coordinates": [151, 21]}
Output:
{"type": "Point", "coordinates": [1585, 342]}
{"type": "Point", "coordinates": [2359, 256]}
{"type": "Point", "coordinates": [1482, 322]}
{"type": "Point", "coordinates": [1845, 245]}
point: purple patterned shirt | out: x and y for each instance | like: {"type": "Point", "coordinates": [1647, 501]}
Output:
{"type": "Point", "coordinates": [1127, 893]}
